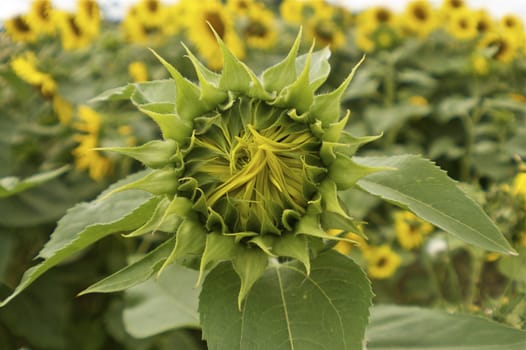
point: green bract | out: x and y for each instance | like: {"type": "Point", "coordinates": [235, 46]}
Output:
{"type": "Point", "coordinates": [250, 166]}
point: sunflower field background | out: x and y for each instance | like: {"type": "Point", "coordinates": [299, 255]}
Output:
{"type": "Point", "coordinates": [445, 82]}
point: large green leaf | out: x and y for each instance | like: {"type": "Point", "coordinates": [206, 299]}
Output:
{"type": "Point", "coordinates": [427, 191]}
{"type": "Point", "coordinates": [402, 327]}
{"type": "Point", "coordinates": [86, 223]}
{"type": "Point", "coordinates": [287, 309]}
{"type": "Point", "coordinates": [158, 305]}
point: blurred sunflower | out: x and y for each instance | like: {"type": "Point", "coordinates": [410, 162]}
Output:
{"type": "Point", "coordinates": [484, 22]}
{"type": "Point", "coordinates": [382, 262]}
{"type": "Point", "coordinates": [419, 18]}
{"type": "Point", "coordinates": [172, 18]}
{"type": "Point", "coordinates": [325, 32]}
{"type": "Point", "coordinates": [241, 7]}
{"type": "Point", "coordinates": [86, 158]}
{"type": "Point", "coordinates": [511, 23]}
{"type": "Point", "coordinates": [297, 12]}
{"type": "Point", "coordinates": [260, 30]}
{"type": "Point", "coordinates": [25, 67]}
{"type": "Point", "coordinates": [450, 7]}
{"type": "Point", "coordinates": [73, 35]}
{"type": "Point", "coordinates": [20, 29]}
{"type": "Point", "coordinates": [410, 229]}
{"type": "Point", "coordinates": [376, 29]}
{"type": "Point", "coordinates": [345, 247]}
{"type": "Point", "coordinates": [518, 188]}
{"type": "Point", "coordinates": [63, 109]}
{"type": "Point", "coordinates": [138, 71]}
{"type": "Point", "coordinates": [375, 16]}
{"type": "Point", "coordinates": [149, 12]}
{"type": "Point", "coordinates": [462, 24]}
{"type": "Point", "coordinates": [133, 29]}
{"type": "Point", "coordinates": [505, 44]}
{"type": "Point", "coordinates": [40, 16]}
{"type": "Point", "coordinates": [89, 16]}
{"type": "Point", "coordinates": [212, 13]}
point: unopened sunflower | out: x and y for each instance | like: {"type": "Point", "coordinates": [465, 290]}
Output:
{"type": "Point", "coordinates": [250, 167]}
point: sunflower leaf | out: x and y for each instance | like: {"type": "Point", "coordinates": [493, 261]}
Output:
{"type": "Point", "coordinates": [281, 303]}
{"type": "Point", "coordinates": [87, 223]}
{"type": "Point", "coordinates": [426, 190]}
{"type": "Point", "coordinates": [411, 328]}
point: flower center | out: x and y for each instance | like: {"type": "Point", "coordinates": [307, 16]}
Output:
{"type": "Point", "coordinates": [21, 25]}
{"type": "Point", "coordinates": [255, 166]}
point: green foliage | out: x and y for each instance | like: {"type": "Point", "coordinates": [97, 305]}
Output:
{"type": "Point", "coordinates": [276, 284]}
{"type": "Point", "coordinates": [287, 303]}
{"type": "Point", "coordinates": [394, 327]}
{"type": "Point", "coordinates": [427, 191]}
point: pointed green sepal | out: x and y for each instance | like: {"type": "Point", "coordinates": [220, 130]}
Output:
{"type": "Point", "coordinates": [352, 143]}
{"type": "Point", "coordinates": [309, 225]}
{"type": "Point", "coordinates": [249, 264]}
{"type": "Point", "coordinates": [282, 74]}
{"type": "Point", "coordinates": [234, 76]}
{"type": "Point", "coordinates": [154, 154]}
{"type": "Point", "coordinates": [211, 94]}
{"type": "Point", "coordinates": [330, 200]}
{"type": "Point", "coordinates": [326, 107]}
{"type": "Point", "coordinates": [265, 243]}
{"type": "Point", "coordinates": [345, 172]}
{"type": "Point", "coordinates": [333, 132]}
{"type": "Point", "coordinates": [154, 222]}
{"type": "Point", "coordinates": [171, 125]}
{"type": "Point", "coordinates": [218, 248]}
{"type": "Point", "coordinates": [188, 103]}
{"type": "Point", "coordinates": [318, 63]}
{"type": "Point", "coordinates": [190, 241]}
{"type": "Point", "coordinates": [331, 220]}
{"type": "Point", "coordinates": [293, 246]}
{"type": "Point", "coordinates": [299, 94]}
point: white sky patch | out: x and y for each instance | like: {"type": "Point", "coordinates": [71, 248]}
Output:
{"type": "Point", "coordinates": [117, 8]}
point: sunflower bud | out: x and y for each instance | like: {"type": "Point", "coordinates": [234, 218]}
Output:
{"type": "Point", "coordinates": [250, 167]}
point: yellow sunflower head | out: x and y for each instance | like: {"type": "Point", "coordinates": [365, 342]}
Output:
{"type": "Point", "coordinates": [89, 16]}
{"type": "Point", "coordinates": [325, 32]}
{"type": "Point", "coordinates": [463, 24]}
{"type": "Point", "coordinates": [41, 16]}
{"type": "Point", "coordinates": [511, 23]}
{"type": "Point", "coordinates": [484, 21]}
{"type": "Point", "coordinates": [88, 135]}
{"type": "Point", "coordinates": [375, 16]}
{"type": "Point", "coordinates": [504, 44]}
{"type": "Point", "coordinates": [73, 35]}
{"type": "Point", "coordinates": [298, 12]}
{"type": "Point", "coordinates": [205, 18]}
{"type": "Point", "coordinates": [260, 30]}
{"type": "Point", "coordinates": [19, 29]}
{"type": "Point", "coordinates": [420, 18]}
{"type": "Point", "coordinates": [410, 229]}
{"type": "Point", "coordinates": [382, 262]}
{"type": "Point", "coordinates": [150, 12]}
